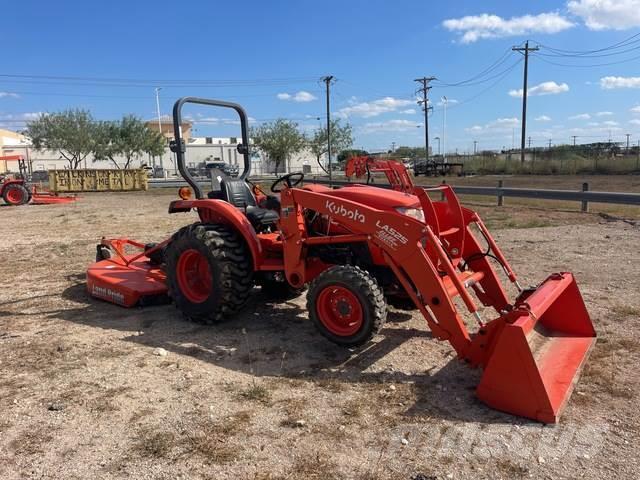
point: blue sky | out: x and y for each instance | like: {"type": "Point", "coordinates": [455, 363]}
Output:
{"type": "Point", "coordinates": [269, 56]}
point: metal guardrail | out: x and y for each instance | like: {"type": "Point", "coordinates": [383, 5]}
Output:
{"type": "Point", "coordinates": [583, 196]}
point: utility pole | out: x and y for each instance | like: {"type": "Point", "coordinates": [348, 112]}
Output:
{"type": "Point", "coordinates": [526, 51]}
{"type": "Point", "coordinates": [327, 81]}
{"type": "Point", "coordinates": [574, 139]}
{"type": "Point", "coordinates": [444, 128]}
{"type": "Point", "coordinates": [628, 135]}
{"type": "Point", "coordinates": [475, 147]}
{"type": "Point", "coordinates": [549, 144]}
{"type": "Point", "coordinates": [529, 145]}
{"type": "Point", "coordinates": [159, 119]}
{"type": "Point", "coordinates": [424, 90]}
{"type": "Point", "coordinates": [393, 147]}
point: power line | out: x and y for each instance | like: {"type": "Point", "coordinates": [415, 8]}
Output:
{"type": "Point", "coordinates": [487, 70]}
{"type": "Point", "coordinates": [620, 44]}
{"type": "Point", "coordinates": [483, 91]}
{"type": "Point", "coordinates": [573, 65]}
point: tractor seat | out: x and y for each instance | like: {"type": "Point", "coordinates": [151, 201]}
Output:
{"type": "Point", "coordinates": [238, 193]}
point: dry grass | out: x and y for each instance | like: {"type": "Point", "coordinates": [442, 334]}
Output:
{"type": "Point", "coordinates": [331, 385]}
{"type": "Point", "coordinates": [32, 441]}
{"type": "Point", "coordinates": [211, 440]}
{"type": "Point", "coordinates": [602, 369]}
{"type": "Point", "coordinates": [256, 393]}
{"type": "Point", "coordinates": [312, 466]}
{"type": "Point", "coordinates": [626, 310]}
{"type": "Point", "coordinates": [511, 469]}
{"type": "Point", "coordinates": [154, 443]}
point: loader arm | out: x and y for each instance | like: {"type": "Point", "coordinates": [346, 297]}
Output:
{"type": "Point", "coordinates": [532, 353]}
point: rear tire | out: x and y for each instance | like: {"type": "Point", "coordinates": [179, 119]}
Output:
{"type": "Point", "coordinates": [209, 272]}
{"type": "Point", "coordinates": [15, 194]}
{"type": "Point", "coordinates": [346, 305]}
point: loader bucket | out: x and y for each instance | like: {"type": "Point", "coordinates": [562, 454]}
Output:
{"type": "Point", "coordinates": [538, 353]}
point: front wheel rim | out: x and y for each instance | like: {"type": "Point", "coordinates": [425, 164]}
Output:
{"type": "Point", "coordinates": [15, 196]}
{"type": "Point", "coordinates": [340, 310]}
{"type": "Point", "coordinates": [194, 276]}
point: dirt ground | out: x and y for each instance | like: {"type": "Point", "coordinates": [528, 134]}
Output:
{"type": "Point", "coordinates": [85, 392]}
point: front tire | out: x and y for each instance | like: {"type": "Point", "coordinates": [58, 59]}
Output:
{"type": "Point", "coordinates": [15, 194]}
{"type": "Point", "coordinates": [209, 272]}
{"type": "Point", "coordinates": [346, 305]}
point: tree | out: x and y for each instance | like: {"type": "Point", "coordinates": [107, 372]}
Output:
{"type": "Point", "coordinates": [71, 132]}
{"type": "Point", "coordinates": [129, 138]}
{"type": "Point", "coordinates": [341, 139]}
{"type": "Point", "coordinates": [278, 140]}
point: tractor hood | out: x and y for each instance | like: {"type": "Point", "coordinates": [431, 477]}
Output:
{"type": "Point", "coordinates": [376, 197]}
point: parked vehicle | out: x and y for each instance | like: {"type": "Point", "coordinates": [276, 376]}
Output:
{"type": "Point", "coordinates": [358, 249]}
{"type": "Point", "coordinates": [229, 170]}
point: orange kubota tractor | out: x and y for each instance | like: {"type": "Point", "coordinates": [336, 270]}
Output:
{"type": "Point", "coordinates": [357, 248]}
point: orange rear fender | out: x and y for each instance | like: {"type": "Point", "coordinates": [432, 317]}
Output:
{"type": "Point", "coordinates": [219, 211]}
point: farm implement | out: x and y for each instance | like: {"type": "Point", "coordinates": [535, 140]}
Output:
{"type": "Point", "coordinates": [358, 249]}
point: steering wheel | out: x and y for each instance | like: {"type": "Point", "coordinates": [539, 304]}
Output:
{"type": "Point", "coordinates": [291, 180]}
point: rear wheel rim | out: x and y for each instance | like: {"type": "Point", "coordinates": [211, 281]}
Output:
{"type": "Point", "coordinates": [194, 276]}
{"type": "Point", "coordinates": [339, 310]}
{"type": "Point", "coordinates": [15, 196]}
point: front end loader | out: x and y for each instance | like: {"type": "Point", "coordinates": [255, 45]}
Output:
{"type": "Point", "coordinates": [357, 249]}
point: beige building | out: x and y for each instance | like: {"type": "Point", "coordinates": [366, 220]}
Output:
{"type": "Point", "coordinates": [166, 128]}
{"type": "Point", "coordinates": [12, 143]}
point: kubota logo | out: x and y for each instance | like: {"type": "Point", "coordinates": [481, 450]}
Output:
{"type": "Point", "coordinates": [341, 211]}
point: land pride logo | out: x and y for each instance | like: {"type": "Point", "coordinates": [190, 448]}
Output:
{"type": "Point", "coordinates": [107, 294]}
{"type": "Point", "coordinates": [341, 211]}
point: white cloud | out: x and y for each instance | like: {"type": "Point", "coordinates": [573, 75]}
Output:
{"type": "Point", "coordinates": [374, 108]}
{"type": "Point", "coordinates": [580, 116]}
{"type": "Point", "coordinates": [607, 14]}
{"type": "Point", "coordinates": [300, 97]}
{"type": "Point", "coordinates": [497, 125]}
{"type": "Point", "coordinates": [543, 118]}
{"type": "Point", "coordinates": [390, 126]}
{"type": "Point", "coordinates": [609, 83]}
{"type": "Point", "coordinates": [635, 109]}
{"type": "Point", "coordinates": [408, 111]}
{"type": "Point", "coordinates": [610, 123]}
{"type": "Point", "coordinates": [635, 121]}
{"type": "Point", "coordinates": [604, 114]}
{"type": "Point", "coordinates": [544, 88]}
{"type": "Point", "coordinates": [9, 94]}
{"type": "Point", "coordinates": [476, 27]}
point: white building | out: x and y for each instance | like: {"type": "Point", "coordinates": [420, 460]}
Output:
{"type": "Point", "coordinates": [199, 150]}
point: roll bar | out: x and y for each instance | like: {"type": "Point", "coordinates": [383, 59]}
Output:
{"type": "Point", "coordinates": [179, 148]}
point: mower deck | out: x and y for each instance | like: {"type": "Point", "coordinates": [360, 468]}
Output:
{"type": "Point", "coordinates": [131, 283]}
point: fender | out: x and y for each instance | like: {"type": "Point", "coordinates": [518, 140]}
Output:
{"type": "Point", "coordinates": [219, 211]}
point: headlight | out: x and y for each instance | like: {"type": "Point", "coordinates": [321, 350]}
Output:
{"type": "Point", "coordinates": [416, 213]}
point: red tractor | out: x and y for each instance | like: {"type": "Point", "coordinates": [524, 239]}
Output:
{"type": "Point", "coordinates": [358, 248]}
{"type": "Point", "coordinates": [14, 190]}
{"type": "Point", "coordinates": [17, 191]}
